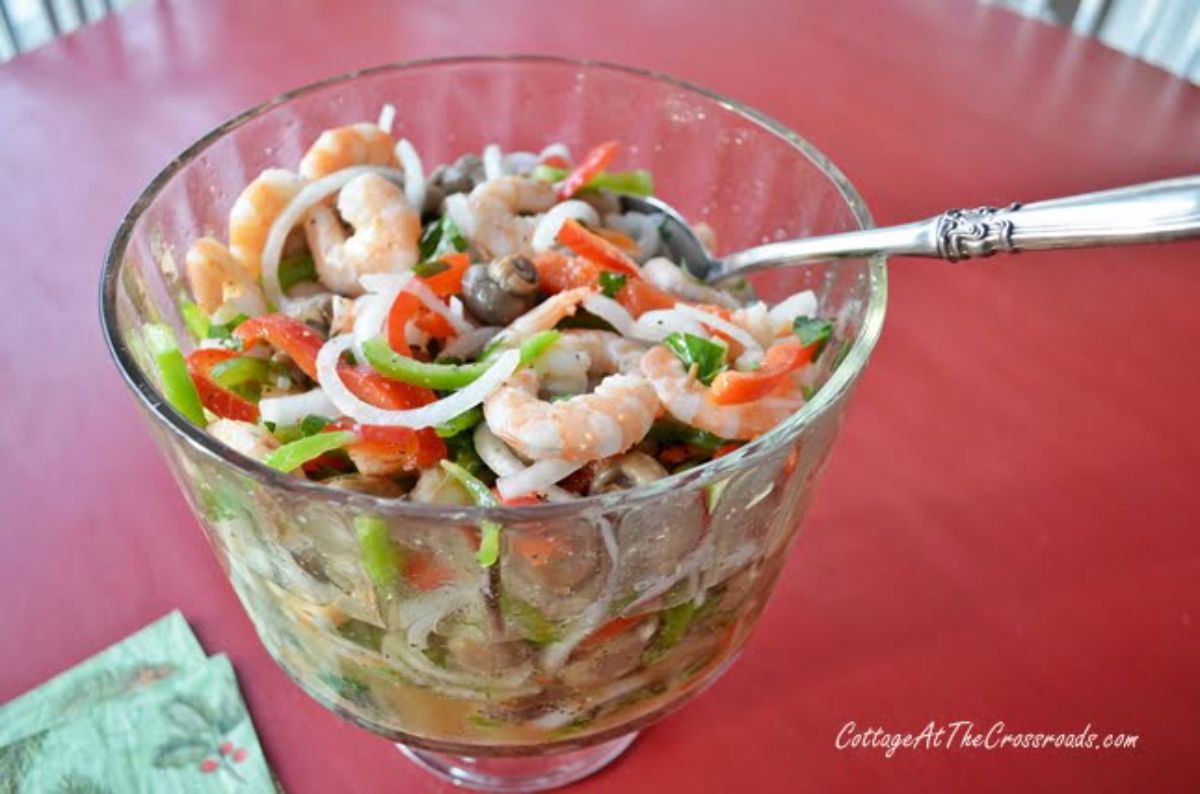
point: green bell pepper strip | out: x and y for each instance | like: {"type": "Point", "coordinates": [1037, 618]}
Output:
{"type": "Point", "coordinates": [176, 383]}
{"type": "Point", "coordinates": [481, 495]}
{"type": "Point", "coordinates": [240, 371]}
{"type": "Point", "coordinates": [460, 424]}
{"type": "Point", "coordinates": [378, 554]}
{"type": "Point", "coordinates": [295, 269]}
{"type": "Point", "coordinates": [444, 377]}
{"type": "Point", "coordinates": [635, 183]}
{"type": "Point", "coordinates": [293, 455]}
{"type": "Point", "coordinates": [675, 623]}
{"type": "Point", "coordinates": [195, 318]}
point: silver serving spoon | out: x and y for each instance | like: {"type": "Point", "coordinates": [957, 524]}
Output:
{"type": "Point", "coordinates": [1152, 212]}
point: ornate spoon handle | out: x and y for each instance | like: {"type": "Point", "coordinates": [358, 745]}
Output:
{"type": "Point", "coordinates": [1152, 212]}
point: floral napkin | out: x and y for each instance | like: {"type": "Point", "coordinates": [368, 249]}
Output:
{"type": "Point", "coordinates": [150, 714]}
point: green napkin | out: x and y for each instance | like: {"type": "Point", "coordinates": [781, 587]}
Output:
{"type": "Point", "coordinates": [150, 714]}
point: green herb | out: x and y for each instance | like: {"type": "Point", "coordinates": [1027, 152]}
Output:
{"type": "Point", "coordinates": [611, 283]}
{"type": "Point", "coordinates": [668, 432]}
{"type": "Point", "coordinates": [461, 423]}
{"type": "Point", "coordinates": [225, 330]}
{"type": "Point", "coordinates": [194, 318]}
{"type": "Point", "coordinates": [813, 331]}
{"type": "Point", "coordinates": [379, 556]}
{"type": "Point", "coordinates": [295, 269]}
{"type": "Point", "coordinates": [634, 183]}
{"type": "Point", "coordinates": [441, 237]}
{"type": "Point", "coordinates": [706, 356]}
{"type": "Point", "coordinates": [430, 267]}
{"type": "Point", "coordinates": [536, 627]}
{"type": "Point", "coordinates": [674, 624]}
{"type": "Point", "coordinates": [293, 455]}
{"type": "Point", "coordinates": [444, 377]}
{"type": "Point", "coordinates": [174, 379]}
{"type": "Point", "coordinates": [350, 689]}
{"type": "Point", "coordinates": [312, 424]}
{"type": "Point", "coordinates": [240, 371]}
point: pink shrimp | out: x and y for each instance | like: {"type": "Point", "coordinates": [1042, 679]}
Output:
{"type": "Point", "coordinates": [255, 209]}
{"type": "Point", "coordinates": [342, 147]}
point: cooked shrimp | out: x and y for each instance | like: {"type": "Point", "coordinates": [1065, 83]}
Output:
{"type": "Point", "coordinates": [218, 277]}
{"type": "Point", "coordinates": [387, 231]}
{"type": "Point", "coordinates": [255, 210]}
{"type": "Point", "coordinates": [564, 368]}
{"type": "Point", "coordinates": [504, 214]}
{"type": "Point", "coordinates": [606, 422]}
{"type": "Point", "coordinates": [687, 399]}
{"type": "Point", "coordinates": [342, 147]}
{"type": "Point", "coordinates": [546, 314]}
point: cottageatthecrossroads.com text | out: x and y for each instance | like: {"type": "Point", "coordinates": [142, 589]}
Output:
{"type": "Point", "coordinates": [964, 734]}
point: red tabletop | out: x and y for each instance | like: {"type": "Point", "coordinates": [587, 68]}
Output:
{"type": "Point", "coordinates": [1010, 526]}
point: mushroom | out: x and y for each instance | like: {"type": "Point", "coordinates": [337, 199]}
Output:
{"type": "Point", "coordinates": [626, 471]}
{"type": "Point", "coordinates": [361, 483]}
{"type": "Point", "coordinates": [461, 176]}
{"type": "Point", "coordinates": [502, 290]}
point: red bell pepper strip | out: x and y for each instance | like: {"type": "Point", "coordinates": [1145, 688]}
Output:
{"type": "Point", "coordinates": [596, 248]}
{"type": "Point", "coordinates": [214, 396]}
{"type": "Point", "coordinates": [732, 388]}
{"type": "Point", "coordinates": [593, 163]}
{"type": "Point", "coordinates": [407, 305]}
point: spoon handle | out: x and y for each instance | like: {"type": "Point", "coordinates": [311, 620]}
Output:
{"type": "Point", "coordinates": [1151, 212]}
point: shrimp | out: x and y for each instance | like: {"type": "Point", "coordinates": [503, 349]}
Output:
{"type": "Point", "coordinates": [255, 210]}
{"type": "Point", "coordinates": [687, 399]}
{"type": "Point", "coordinates": [546, 314]}
{"type": "Point", "coordinates": [217, 277]}
{"type": "Point", "coordinates": [607, 422]}
{"type": "Point", "coordinates": [504, 214]}
{"type": "Point", "coordinates": [342, 147]}
{"type": "Point", "coordinates": [387, 231]}
{"type": "Point", "coordinates": [564, 368]}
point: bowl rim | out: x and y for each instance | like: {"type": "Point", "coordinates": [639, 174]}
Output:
{"type": "Point", "coordinates": [745, 456]}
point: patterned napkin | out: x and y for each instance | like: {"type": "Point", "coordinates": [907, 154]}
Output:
{"type": "Point", "coordinates": [150, 714]}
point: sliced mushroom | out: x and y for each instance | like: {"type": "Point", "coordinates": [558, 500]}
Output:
{"type": "Point", "coordinates": [502, 290]}
{"type": "Point", "coordinates": [361, 483]}
{"type": "Point", "coordinates": [620, 473]}
{"type": "Point", "coordinates": [461, 176]}
{"type": "Point", "coordinates": [480, 655]}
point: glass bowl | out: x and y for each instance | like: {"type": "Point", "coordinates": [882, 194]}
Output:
{"type": "Point", "coordinates": [603, 614]}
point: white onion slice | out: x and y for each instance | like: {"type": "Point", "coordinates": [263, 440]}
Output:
{"type": "Point", "coordinates": [557, 149]}
{"type": "Point", "coordinates": [459, 209]}
{"type": "Point", "coordinates": [536, 478]}
{"type": "Point", "coordinates": [736, 332]}
{"type": "Point", "coordinates": [612, 313]}
{"type": "Point", "coordinates": [414, 173]}
{"type": "Point", "coordinates": [371, 310]}
{"type": "Point", "coordinates": [493, 162]}
{"type": "Point", "coordinates": [434, 413]}
{"type": "Point", "coordinates": [515, 163]}
{"type": "Point", "coordinates": [471, 342]}
{"type": "Point", "coordinates": [641, 227]}
{"type": "Point", "coordinates": [557, 653]}
{"type": "Point", "coordinates": [802, 304]}
{"type": "Point", "coordinates": [495, 453]}
{"type": "Point", "coordinates": [293, 408]}
{"type": "Point", "coordinates": [657, 325]}
{"type": "Point", "coordinates": [308, 197]}
{"type": "Point", "coordinates": [437, 306]}
{"type": "Point", "coordinates": [665, 274]}
{"type": "Point", "coordinates": [547, 227]}
{"type": "Point", "coordinates": [387, 116]}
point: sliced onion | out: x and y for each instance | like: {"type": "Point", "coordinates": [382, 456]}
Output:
{"type": "Point", "coordinates": [657, 325]}
{"type": "Point", "coordinates": [641, 227]}
{"type": "Point", "coordinates": [557, 653]}
{"type": "Point", "coordinates": [421, 615]}
{"type": "Point", "coordinates": [493, 163]}
{"type": "Point", "coordinates": [371, 310]}
{"type": "Point", "coordinates": [549, 224]}
{"type": "Point", "coordinates": [515, 163]}
{"type": "Point", "coordinates": [470, 343]}
{"type": "Point", "coordinates": [435, 413]}
{"type": "Point", "coordinates": [536, 478]}
{"type": "Point", "coordinates": [459, 209]}
{"type": "Point", "coordinates": [308, 197]}
{"type": "Point", "coordinates": [495, 453]}
{"type": "Point", "coordinates": [387, 116]}
{"type": "Point", "coordinates": [612, 313]}
{"type": "Point", "coordinates": [731, 330]}
{"type": "Point", "coordinates": [293, 408]}
{"type": "Point", "coordinates": [556, 149]}
{"type": "Point", "coordinates": [802, 304]}
{"type": "Point", "coordinates": [414, 173]}
{"type": "Point", "coordinates": [666, 275]}
{"type": "Point", "coordinates": [435, 305]}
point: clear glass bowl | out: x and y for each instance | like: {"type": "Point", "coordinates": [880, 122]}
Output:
{"type": "Point", "coordinates": [539, 670]}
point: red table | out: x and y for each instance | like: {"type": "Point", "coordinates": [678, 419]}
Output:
{"type": "Point", "coordinates": [1009, 529]}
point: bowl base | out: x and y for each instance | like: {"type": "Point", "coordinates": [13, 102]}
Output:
{"type": "Point", "coordinates": [530, 773]}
